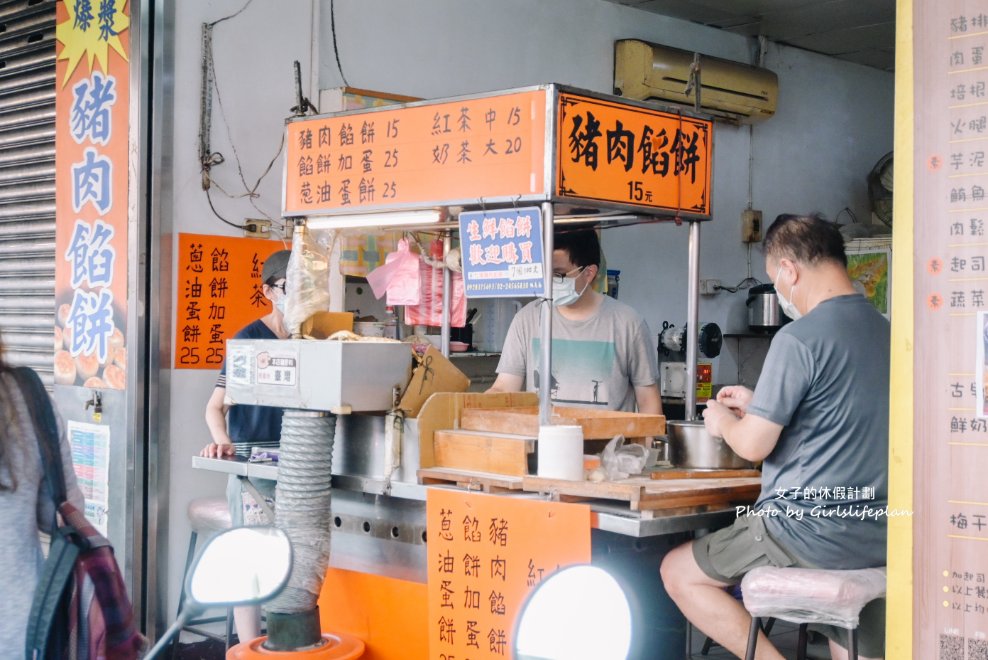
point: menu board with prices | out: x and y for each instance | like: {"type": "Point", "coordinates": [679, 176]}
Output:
{"type": "Point", "coordinates": [485, 554]}
{"type": "Point", "coordinates": [950, 425]}
{"type": "Point", "coordinates": [615, 152]}
{"type": "Point", "coordinates": [420, 155]}
{"type": "Point", "coordinates": [219, 293]}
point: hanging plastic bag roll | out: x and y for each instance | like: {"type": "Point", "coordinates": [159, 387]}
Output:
{"type": "Point", "coordinates": [560, 452]}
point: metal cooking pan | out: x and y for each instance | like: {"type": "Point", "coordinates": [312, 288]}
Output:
{"type": "Point", "coordinates": [690, 446]}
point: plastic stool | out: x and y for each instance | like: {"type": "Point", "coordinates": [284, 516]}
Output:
{"type": "Point", "coordinates": [206, 515]}
{"type": "Point", "coordinates": [806, 595]}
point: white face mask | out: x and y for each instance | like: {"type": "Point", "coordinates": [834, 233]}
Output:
{"type": "Point", "coordinates": [279, 304]}
{"type": "Point", "coordinates": [788, 308]}
{"type": "Point", "coordinates": [564, 293]}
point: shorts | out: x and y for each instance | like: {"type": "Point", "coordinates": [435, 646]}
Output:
{"type": "Point", "coordinates": [244, 510]}
{"type": "Point", "coordinates": [727, 554]}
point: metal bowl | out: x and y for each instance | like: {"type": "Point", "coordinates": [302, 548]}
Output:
{"type": "Point", "coordinates": [690, 446]}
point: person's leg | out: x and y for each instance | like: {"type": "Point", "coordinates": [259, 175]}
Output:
{"type": "Point", "coordinates": [708, 606]}
{"type": "Point", "coordinates": [838, 652]}
{"type": "Point", "coordinates": [247, 621]}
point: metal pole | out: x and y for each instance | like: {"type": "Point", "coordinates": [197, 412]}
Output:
{"type": "Point", "coordinates": [447, 294]}
{"type": "Point", "coordinates": [692, 317]}
{"type": "Point", "coordinates": [545, 338]}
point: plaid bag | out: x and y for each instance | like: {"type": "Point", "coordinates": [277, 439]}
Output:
{"type": "Point", "coordinates": [80, 607]}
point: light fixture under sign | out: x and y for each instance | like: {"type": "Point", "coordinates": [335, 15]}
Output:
{"type": "Point", "coordinates": [389, 219]}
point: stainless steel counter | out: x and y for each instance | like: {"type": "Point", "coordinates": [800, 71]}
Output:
{"type": "Point", "coordinates": [607, 517]}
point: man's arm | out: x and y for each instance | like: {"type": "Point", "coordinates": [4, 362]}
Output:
{"type": "Point", "coordinates": [751, 437]}
{"type": "Point", "coordinates": [507, 383]}
{"type": "Point", "coordinates": [649, 400]}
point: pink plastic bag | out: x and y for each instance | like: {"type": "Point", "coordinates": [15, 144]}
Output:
{"type": "Point", "coordinates": [429, 311]}
{"type": "Point", "coordinates": [398, 277]}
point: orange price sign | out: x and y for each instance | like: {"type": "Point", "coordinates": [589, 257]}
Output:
{"type": "Point", "coordinates": [485, 554]}
{"type": "Point", "coordinates": [615, 152]}
{"type": "Point", "coordinates": [417, 155]}
{"type": "Point", "coordinates": [219, 292]}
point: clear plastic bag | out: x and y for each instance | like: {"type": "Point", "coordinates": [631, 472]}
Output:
{"type": "Point", "coordinates": [808, 595]}
{"type": "Point", "coordinates": [308, 276]}
{"type": "Point", "coordinates": [620, 460]}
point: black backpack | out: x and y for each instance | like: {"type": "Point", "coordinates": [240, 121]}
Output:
{"type": "Point", "coordinates": [81, 608]}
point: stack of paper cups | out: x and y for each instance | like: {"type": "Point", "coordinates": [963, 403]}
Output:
{"type": "Point", "coordinates": [561, 452]}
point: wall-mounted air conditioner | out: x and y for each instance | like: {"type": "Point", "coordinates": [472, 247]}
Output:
{"type": "Point", "coordinates": [729, 90]}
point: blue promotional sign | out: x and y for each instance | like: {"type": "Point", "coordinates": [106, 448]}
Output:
{"type": "Point", "coordinates": [502, 253]}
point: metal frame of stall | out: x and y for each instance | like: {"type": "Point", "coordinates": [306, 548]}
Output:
{"type": "Point", "coordinates": [573, 208]}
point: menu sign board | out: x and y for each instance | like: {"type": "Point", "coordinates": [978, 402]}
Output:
{"type": "Point", "coordinates": [950, 579]}
{"type": "Point", "coordinates": [419, 155]}
{"type": "Point", "coordinates": [219, 292]}
{"type": "Point", "coordinates": [615, 152]}
{"type": "Point", "coordinates": [502, 253]}
{"type": "Point", "coordinates": [485, 554]}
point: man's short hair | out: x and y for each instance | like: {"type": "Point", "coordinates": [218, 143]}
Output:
{"type": "Point", "coordinates": [582, 246]}
{"type": "Point", "coordinates": [804, 238]}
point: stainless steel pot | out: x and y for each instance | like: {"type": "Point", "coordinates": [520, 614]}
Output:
{"type": "Point", "coordinates": [690, 446]}
{"type": "Point", "coordinates": [764, 312]}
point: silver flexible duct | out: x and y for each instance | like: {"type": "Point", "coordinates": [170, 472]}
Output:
{"type": "Point", "coordinates": [303, 504]}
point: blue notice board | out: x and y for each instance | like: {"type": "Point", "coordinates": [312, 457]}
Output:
{"type": "Point", "coordinates": [502, 253]}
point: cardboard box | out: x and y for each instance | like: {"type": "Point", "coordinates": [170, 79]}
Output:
{"type": "Point", "coordinates": [322, 324]}
{"type": "Point", "coordinates": [432, 373]}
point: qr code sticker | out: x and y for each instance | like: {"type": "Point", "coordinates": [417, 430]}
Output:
{"type": "Point", "coordinates": [951, 647]}
{"type": "Point", "coordinates": [977, 649]}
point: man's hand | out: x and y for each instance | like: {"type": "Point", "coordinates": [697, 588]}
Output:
{"type": "Point", "coordinates": [217, 450]}
{"type": "Point", "coordinates": [735, 397]}
{"type": "Point", "coordinates": [714, 417]}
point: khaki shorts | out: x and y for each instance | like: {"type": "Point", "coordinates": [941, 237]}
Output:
{"type": "Point", "coordinates": [729, 553]}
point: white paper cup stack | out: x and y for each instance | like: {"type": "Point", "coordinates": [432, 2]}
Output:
{"type": "Point", "coordinates": [561, 452]}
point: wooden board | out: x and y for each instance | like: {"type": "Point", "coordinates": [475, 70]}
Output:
{"type": "Point", "coordinates": [643, 493]}
{"type": "Point", "coordinates": [682, 473]}
{"type": "Point", "coordinates": [498, 453]}
{"type": "Point", "coordinates": [485, 481]}
{"type": "Point", "coordinates": [597, 424]}
{"type": "Point", "coordinates": [442, 411]}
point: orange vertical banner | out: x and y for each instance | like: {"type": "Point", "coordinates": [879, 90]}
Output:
{"type": "Point", "coordinates": [485, 554]}
{"type": "Point", "coordinates": [219, 292]}
{"type": "Point", "coordinates": [92, 108]}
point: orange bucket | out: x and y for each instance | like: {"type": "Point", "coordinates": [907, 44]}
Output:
{"type": "Point", "coordinates": [337, 646]}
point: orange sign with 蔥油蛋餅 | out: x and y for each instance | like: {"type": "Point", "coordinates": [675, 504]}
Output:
{"type": "Point", "coordinates": [219, 292]}
{"type": "Point", "coordinates": [479, 148]}
{"type": "Point", "coordinates": [615, 152]}
{"type": "Point", "coordinates": [485, 554]}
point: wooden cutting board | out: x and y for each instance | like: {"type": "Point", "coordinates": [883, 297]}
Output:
{"type": "Point", "coordinates": [683, 473]}
{"type": "Point", "coordinates": [597, 424]}
{"type": "Point", "coordinates": [646, 494]}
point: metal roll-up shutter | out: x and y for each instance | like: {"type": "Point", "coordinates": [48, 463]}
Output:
{"type": "Point", "coordinates": [27, 183]}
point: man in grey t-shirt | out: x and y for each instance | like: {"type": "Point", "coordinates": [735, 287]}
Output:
{"type": "Point", "coordinates": [818, 418]}
{"type": "Point", "coordinates": [602, 355]}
